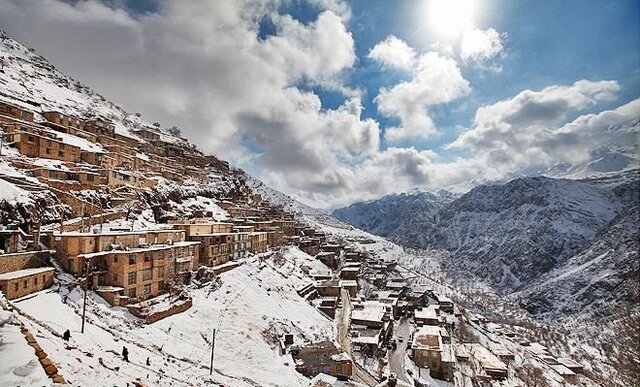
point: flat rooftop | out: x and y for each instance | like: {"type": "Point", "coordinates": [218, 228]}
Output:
{"type": "Point", "coordinates": [25, 273]}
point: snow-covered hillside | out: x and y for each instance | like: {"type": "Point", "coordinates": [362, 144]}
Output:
{"type": "Point", "coordinates": [250, 307]}
{"type": "Point", "coordinates": [29, 80]}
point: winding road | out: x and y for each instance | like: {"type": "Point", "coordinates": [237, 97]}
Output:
{"type": "Point", "coordinates": [396, 356]}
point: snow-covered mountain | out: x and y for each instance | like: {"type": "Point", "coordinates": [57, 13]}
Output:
{"type": "Point", "coordinates": [401, 217]}
{"type": "Point", "coordinates": [511, 234]}
{"type": "Point", "coordinates": [526, 235]}
{"type": "Point", "coordinates": [597, 281]}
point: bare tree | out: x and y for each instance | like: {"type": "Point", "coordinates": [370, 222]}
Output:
{"type": "Point", "coordinates": [175, 131]}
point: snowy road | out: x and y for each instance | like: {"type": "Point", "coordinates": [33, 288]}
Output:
{"type": "Point", "coordinates": [396, 357]}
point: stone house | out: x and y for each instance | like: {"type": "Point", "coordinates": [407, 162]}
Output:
{"type": "Point", "coordinates": [322, 357]}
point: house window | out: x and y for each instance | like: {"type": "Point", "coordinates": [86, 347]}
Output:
{"type": "Point", "coordinates": [60, 153]}
{"type": "Point", "coordinates": [89, 177]}
{"type": "Point", "coordinates": [160, 255]}
{"type": "Point", "coordinates": [24, 114]}
{"type": "Point", "coordinates": [160, 286]}
{"type": "Point", "coordinates": [115, 277]}
{"type": "Point", "coordinates": [35, 280]}
{"type": "Point", "coordinates": [147, 289]}
{"type": "Point", "coordinates": [132, 293]}
{"type": "Point", "coordinates": [31, 139]}
{"type": "Point", "coordinates": [115, 259]}
{"type": "Point", "coordinates": [16, 286]}
{"type": "Point", "coordinates": [146, 274]}
{"type": "Point", "coordinates": [113, 174]}
{"type": "Point", "coordinates": [161, 271]}
{"type": "Point", "coordinates": [24, 284]}
{"type": "Point", "coordinates": [147, 256]}
{"type": "Point", "coordinates": [132, 259]}
{"type": "Point", "coordinates": [132, 278]}
{"type": "Point", "coordinates": [61, 146]}
{"type": "Point", "coordinates": [48, 151]}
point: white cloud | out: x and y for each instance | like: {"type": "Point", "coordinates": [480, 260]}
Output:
{"type": "Point", "coordinates": [202, 66]}
{"type": "Point", "coordinates": [531, 128]}
{"type": "Point", "coordinates": [393, 53]}
{"type": "Point", "coordinates": [436, 80]}
{"type": "Point", "coordinates": [480, 45]}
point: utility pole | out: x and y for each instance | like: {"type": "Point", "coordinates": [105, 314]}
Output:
{"type": "Point", "coordinates": [86, 285]}
{"type": "Point", "coordinates": [213, 346]}
{"type": "Point", "coordinates": [82, 218]}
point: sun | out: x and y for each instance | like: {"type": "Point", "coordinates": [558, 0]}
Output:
{"type": "Point", "coordinates": [451, 17]}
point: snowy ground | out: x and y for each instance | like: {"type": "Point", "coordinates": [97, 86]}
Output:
{"type": "Point", "coordinates": [22, 366]}
{"type": "Point", "coordinates": [256, 303]}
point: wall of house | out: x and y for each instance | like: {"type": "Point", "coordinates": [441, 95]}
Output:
{"type": "Point", "coordinates": [23, 286]}
{"type": "Point", "coordinates": [26, 260]}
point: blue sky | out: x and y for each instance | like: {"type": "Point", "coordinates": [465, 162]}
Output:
{"type": "Point", "coordinates": [547, 43]}
{"type": "Point", "coordinates": [334, 102]}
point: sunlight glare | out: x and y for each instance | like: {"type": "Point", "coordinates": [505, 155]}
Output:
{"type": "Point", "coordinates": [451, 17]}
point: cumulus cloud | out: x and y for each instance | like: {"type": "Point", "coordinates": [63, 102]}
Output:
{"type": "Point", "coordinates": [393, 53]}
{"type": "Point", "coordinates": [480, 45]}
{"type": "Point", "coordinates": [436, 79]}
{"type": "Point", "coordinates": [205, 67]}
{"type": "Point", "coordinates": [531, 129]}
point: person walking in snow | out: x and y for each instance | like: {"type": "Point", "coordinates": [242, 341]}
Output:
{"type": "Point", "coordinates": [66, 335]}
{"type": "Point", "coordinates": [125, 354]}
{"type": "Point", "coordinates": [148, 361]}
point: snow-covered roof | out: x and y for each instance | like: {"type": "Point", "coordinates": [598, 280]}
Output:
{"type": "Point", "coordinates": [430, 312]}
{"type": "Point", "coordinates": [368, 311]}
{"type": "Point", "coordinates": [24, 273]}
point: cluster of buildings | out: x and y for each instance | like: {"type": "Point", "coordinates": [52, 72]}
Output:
{"type": "Point", "coordinates": [96, 152]}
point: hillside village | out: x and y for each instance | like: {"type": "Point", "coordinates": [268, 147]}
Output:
{"type": "Point", "coordinates": [99, 175]}
{"type": "Point", "coordinates": [125, 234]}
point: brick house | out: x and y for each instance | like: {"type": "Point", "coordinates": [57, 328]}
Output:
{"type": "Point", "coordinates": [33, 142]}
{"type": "Point", "coordinates": [141, 273]}
{"type": "Point", "coordinates": [70, 245]}
{"type": "Point", "coordinates": [215, 248]}
{"type": "Point", "coordinates": [24, 273]}
{"type": "Point", "coordinates": [119, 177]}
{"type": "Point", "coordinates": [430, 351]}
{"type": "Point", "coordinates": [99, 126]}
{"type": "Point", "coordinates": [63, 119]}
{"type": "Point", "coordinates": [147, 133]}
{"type": "Point", "coordinates": [8, 109]}
{"type": "Point", "coordinates": [196, 228]}
{"type": "Point", "coordinates": [428, 316]}
{"type": "Point", "coordinates": [23, 282]}
{"type": "Point", "coordinates": [259, 242]}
